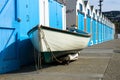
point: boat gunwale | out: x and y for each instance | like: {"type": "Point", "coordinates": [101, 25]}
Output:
{"type": "Point", "coordinates": [56, 30]}
{"type": "Point", "coordinates": [64, 51]}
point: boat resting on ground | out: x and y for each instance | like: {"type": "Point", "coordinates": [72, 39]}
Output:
{"type": "Point", "coordinates": [54, 43]}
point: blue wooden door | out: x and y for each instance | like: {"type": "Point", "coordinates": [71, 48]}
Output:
{"type": "Point", "coordinates": [81, 21]}
{"type": "Point", "coordinates": [94, 31]}
{"type": "Point", "coordinates": [88, 29]}
{"type": "Point", "coordinates": [24, 17]}
{"type": "Point", "coordinates": [100, 32]}
{"type": "Point", "coordinates": [105, 33]}
{"type": "Point", "coordinates": [8, 46]}
{"type": "Point", "coordinates": [55, 14]}
{"type": "Point", "coordinates": [97, 32]}
{"type": "Point", "coordinates": [9, 59]}
{"type": "Point", "coordinates": [27, 13]}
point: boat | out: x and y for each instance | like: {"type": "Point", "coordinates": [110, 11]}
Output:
{"type": "Point", "coordinates": [53, 43]}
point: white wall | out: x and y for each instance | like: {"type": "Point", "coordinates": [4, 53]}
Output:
{"type": "Point", "coordinates": [86, 9]}
{"type": "Point", "coordinates": [77, 6]}
{"type": "Point", "coordinates": [44, 12]}
{"type": "Point", "coordinates": [64, 17]}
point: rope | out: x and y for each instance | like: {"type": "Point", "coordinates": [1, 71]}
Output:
{"type": "Point", "coordinates": [48, 47]}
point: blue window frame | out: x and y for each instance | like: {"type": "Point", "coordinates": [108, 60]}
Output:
{"type": "Point", "coordinates": [88, 12]}
{"type": "Point", "coordinates": [81, 7]}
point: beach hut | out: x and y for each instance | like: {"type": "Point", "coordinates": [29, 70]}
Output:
{"type": "Point", "coordinates": [80, 14]}
{"type": "Point", "coordinates": [88, 19]}
{"type": "Point", "coordinates": [87, 16]}
{"type": "Point", "coordinates": [103, 28]}
{"type": "Point", "coordinates": [94, 25]}
{"type": "Point", "coordinates": [100, 28]}
{"type": "Point", "coordinates": [97, 29]}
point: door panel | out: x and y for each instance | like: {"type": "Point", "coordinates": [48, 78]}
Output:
{"type": "Point", "coordinates": [81, 21]}
{"type": "Point", "coordinates": [55, 14]}
{"type": "Point", "coordinates": [88, 25]}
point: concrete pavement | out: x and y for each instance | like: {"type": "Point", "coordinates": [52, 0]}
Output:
{"type": "Point", "coordinates": [98, 62]}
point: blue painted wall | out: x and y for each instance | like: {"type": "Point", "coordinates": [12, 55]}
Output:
{"type": "Point", "coordinates": [99, 32]}
{"type": "Point", "coordinates": [16, 18]}
{"type": "Point", "coordinates": [94, 31]}
{"type": "Point", "coordinates": [102, 32]}
{"type": "Point", "coordinates": [9, 59]}
{"type": "Point", "coordinates": [80, 21]}
{"type": "Point", "coordinates": [28, 14]}
{"type": "Point", "coordinates": [88, 28]}
{"type": "Point", "coordinates": [88, 21]}
{"type": "Point", "coordinates": [55, 14]}
{"type": "Point", "coordinates": [105, 33]}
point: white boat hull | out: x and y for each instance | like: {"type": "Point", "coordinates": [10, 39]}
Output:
{"type": "Point", "coordinates": [46, 40]}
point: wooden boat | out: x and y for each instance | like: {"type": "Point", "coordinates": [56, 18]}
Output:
{"type": "Point", "coordinates": [54, 43]}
